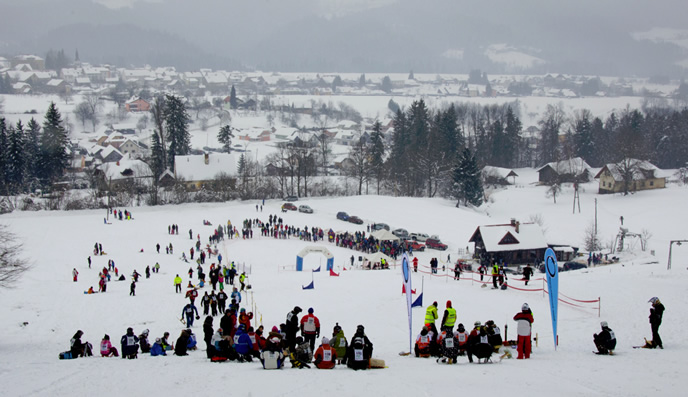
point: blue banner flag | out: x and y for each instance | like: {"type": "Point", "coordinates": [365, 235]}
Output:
{"type": "Point", "coordinates": [418, 302]}
{"type": "Point", "coordinates": [406, 273]}
{"type": "Point", "coordinates": [552, 271]}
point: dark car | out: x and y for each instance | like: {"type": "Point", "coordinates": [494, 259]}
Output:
{"type": "Point", "coordinates": [343, 216]}
{"type": "Point", "coordinates": [573, 266]}
{"type": "Point", "coordinates": [288, 206]}
{"type": "Point", "coordinates": [356, 220]}
{"type": "Point", "coordinates": [410, 244]}
{"type": "Point", "coordinates": [291, 198]}
{"type": "Point", "coordinates": [379, 226]}
{"type": "Point", "coordinates": [435, 244]}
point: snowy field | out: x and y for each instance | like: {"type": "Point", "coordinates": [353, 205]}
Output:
{"type": "Point", "coordinates": [45, 308]}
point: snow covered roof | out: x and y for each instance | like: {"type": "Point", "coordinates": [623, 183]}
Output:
{"type": "Point", "coordinates": [195, 168]}
{"type": "Point", "coordinates": [499, 238]}
{"type": "Point", "coordinates": [641, 170]}
{"type": "Point", "coordinates": [384, 235]}
{"type": "Point", "coordinates": [125, 168]}
{"type": "Point", "coordinates": [500, 172]}
{"type": "Point", "coordinates": [573, 166]}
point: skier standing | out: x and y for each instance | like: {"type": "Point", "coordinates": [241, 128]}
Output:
{"type": "Point", "coordinates": [656, 313]}
{"type": "Point", "coordinates": [525, 321]}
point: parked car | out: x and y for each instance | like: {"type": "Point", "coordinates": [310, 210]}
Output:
{"type": "Point", "coordinates": [291, 198]}
{"type": "Point", "coordinates": [356, 220]}
{"type": "Point", "coordinates": [416, 246]}
{"type": "Point", "coordinates": [418, 236]}
{"type": "Point", "coordinates": [380, 226]}
{"type": "Point", "coordinates": [401, 233]}
{"type": "Point", "coordinates": [343, 216]}
{"type": "Point", "coordinates": [573, 266]}
{"type": "Point", "coordinates": [305, 209]}
{"type": "Point", "coordinates": [435, 244]}
{"type": "Point", "coordinates": [288, 206]}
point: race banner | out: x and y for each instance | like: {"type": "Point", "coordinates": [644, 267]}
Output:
{"type": "Point", "coordinates": [406, 274]}
{"type": "Point", "coordinates": [552, 271]}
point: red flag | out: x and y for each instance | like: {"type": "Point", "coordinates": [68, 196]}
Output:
{"type": "Point", "coordinates": [403, 289]}
{"type": "Point", "coordinates": [333, 274]}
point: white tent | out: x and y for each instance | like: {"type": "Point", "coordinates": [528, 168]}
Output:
{"type": "Point", "coordinates": [384, 235]}
{"type": "Point", "coordinates": [377, 257]}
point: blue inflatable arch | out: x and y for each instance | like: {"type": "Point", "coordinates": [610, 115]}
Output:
{"type": "Point", "coordinates": [315, 248]}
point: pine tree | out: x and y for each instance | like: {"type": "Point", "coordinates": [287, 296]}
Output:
{"type": "Point", "coordinates": [157, 157]}
{"type": "Point", "coordinates": [512, 138]}
{"type": "Point", "coordinates": [53, 157]}
{"type": "Point", "coordinates": [468, 185]}
{"type": "Point", "coordinates": [233, 103]}
{"type": "Point", "coordinates": [225, 138]}
{"type": "Point", "coordinates": [177, 126]}
{"type": "Point", "coordinates": [15, 158]}
{"type": "Point", "coordinates": [583, 136]}
{"type": "Point", "coordinates": [386, 85]}
{"type": "Point", "coordinates": [362, 80]}
{"type": "Point", "coordinates": [377, 154]}
{"type": "Point", "coordinates": [3, 156]}
{"type": "Point", "coordinates": [549, 130]}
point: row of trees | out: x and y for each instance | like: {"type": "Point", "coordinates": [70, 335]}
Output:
{"type": "Point", "coordinates": [31, 156]}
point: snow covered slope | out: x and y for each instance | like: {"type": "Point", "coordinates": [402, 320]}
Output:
{"type": "Point", "coordinates": [45, 309]}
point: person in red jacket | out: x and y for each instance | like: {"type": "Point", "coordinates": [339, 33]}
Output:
{"type": "Point", "coordinates": [245, 318]}
{"type": "Point", "coordinates": [524, 320]}
{"type": "Point", "coordinates": [325, 357]}
{"type": "Point", "coordinates": [310, 328]}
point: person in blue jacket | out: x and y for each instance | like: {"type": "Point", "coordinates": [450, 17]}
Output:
{"type": "Point", "coordinates": [189, 310]}
{"type": "Point", "coordinates": [157, 349]}
{"type": "Point", "coordinates": [243, 344]}
{"type": "Point", "coordinates": [130, 344]}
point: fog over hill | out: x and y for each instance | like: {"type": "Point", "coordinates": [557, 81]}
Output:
{"type": "Point", "coordinates": [536, 36]}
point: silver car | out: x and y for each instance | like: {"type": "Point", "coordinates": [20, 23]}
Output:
{"type": "Point", "coordinates": [305, 209]}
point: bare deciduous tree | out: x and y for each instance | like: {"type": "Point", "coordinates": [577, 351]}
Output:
{"type": "Point", "coordinates": [11, 265]}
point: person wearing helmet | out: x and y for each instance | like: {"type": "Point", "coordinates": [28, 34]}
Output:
{"type": "Point", "coordinates": [292, 327]}
{"type": "Point", "coordinates": [143, 341]}
{"type": "Point", "coordinates": [478, 343]}
{"type": "Point", "coordinates": [130, 344]}
{"type": "Point", "coordinates": [525, 321]}
{"type": "Point", "coordinates": [360, 350]}
{"type": "Point", "coordinates": [461, 336]}
{"type": "Point", "coordinates": [339, 343]}
{"type": "Point", "coordinates": [325, 357]}
{"type": "Point", "coordinates": [656, 313]}
{"type": "Point", "coordinates": [242, 344]}
{"type": "Point", "coordinates": [422, 347]}
{"type": "Point", "coordinates": [605, 341]}
{"type": "Point", "coordinates": [449, 317]}
{"type": "Point", "coordinates": [310, 328]}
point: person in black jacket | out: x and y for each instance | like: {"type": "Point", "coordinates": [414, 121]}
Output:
{"type": "Point", "coordinates": [527, 272]}
{"type": "Point", "coordinates": [182, 342]}
{"type": "Point", "coordinates": [143, 342]}
{"type": "Point", "coordinates": [208, 336]}
{"type": "Point", "coordinates": [605, 341]}
{"type": "Point", "coordinates": [292, 327]}
{"type": "Point", "coordinates": [78, 348]}
{"type": "Point", "coordinates": [656, 312]}
{"type": "Point", "coordinates": [360, 350]}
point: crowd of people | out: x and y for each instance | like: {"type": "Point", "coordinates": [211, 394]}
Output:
{"type": "Point", "coordinates": [295, 340]}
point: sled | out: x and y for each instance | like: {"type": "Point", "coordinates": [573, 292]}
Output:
{"type": "Point", "coordinates": [404, 353]}
{"type": "Point", "coordinates": [377, 363]}
{"type": "Point", "coordinates": [648, 345]}
{"type": "Point", "coordinates": [66, 355]}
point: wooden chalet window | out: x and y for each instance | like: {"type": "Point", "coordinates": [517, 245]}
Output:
{"type": "Point", "coordinates": [652, 183]}
{"type": "Point", "coordinates": [508, 239]}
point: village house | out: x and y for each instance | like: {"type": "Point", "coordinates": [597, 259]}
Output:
{"type": "Point", "coordinates": [124, 172]}
{"type": "Point", "coordinates": [641, 175]}
{"type": "Point", "coordinates": [199, 170]}
{"type": "Point", "coordinates": [571, 170]}
{"type": "Point", "coordinates": [137, 105]}
{"type": "Point", "coordinates": [514, 243]}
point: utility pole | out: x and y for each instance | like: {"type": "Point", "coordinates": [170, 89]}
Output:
{"type": "Point", "coordinates": [595, 216]}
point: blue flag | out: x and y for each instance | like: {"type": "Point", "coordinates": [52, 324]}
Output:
{"type": "Point", "coordinates": [309, 286]}
{"type": "Point", "coordinates": [406, 273]}
{"type": "Point", "coordinates": [316, 270]}
{"type": "Point", "coordinates": [552, 271]}
{"type": "Point", "coordinates": [418, 302]}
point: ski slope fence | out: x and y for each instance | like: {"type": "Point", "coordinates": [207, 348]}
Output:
{"type": "Point", "coordinates": [588, 304]}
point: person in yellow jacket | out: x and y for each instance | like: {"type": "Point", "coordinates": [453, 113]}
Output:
{"type": "Point", "coordinates": [449, 318]}
{"type": "Point", "coordinates": [495, 274]}
{"type": "Point", "coordinates": [431, 313]}
{"type": "Point", "coordinates": [178, 284]}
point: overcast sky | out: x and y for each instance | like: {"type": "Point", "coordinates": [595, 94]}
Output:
{"type": "Point", "coordinates": [589, 36]}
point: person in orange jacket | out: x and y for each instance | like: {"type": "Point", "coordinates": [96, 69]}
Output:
{"type": "Point", "coordinates": [245, 318]}
{"type": "Point", "coordinates": [422, 348]}
{"type": "Point", "coordinates": [325, 357]}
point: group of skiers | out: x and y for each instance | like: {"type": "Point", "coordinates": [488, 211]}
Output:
{"type": "Point", "coordinates": [131, 344]}
{"type": "Point", "coordinates": [605, 341]}
{"type": "Point", "coordinates": [482, 341]}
